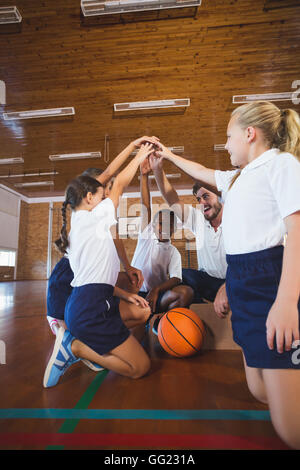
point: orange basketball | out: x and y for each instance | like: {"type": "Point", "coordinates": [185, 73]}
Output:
{"type": "Point", "coordinates": [180, 332]}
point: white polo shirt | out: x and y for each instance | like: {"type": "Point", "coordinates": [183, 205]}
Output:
{"type": "Point", "coordinates": [92, 253]}
{"type": "Point", "coordinates": [158, 261]}
{"type": "Point", "coordinates": [267, 191]}
{"type": "Point", "coordinates": [211, 254]}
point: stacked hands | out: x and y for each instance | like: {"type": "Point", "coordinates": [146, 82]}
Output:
{"type": "Point", "coordinates": [151, 151]}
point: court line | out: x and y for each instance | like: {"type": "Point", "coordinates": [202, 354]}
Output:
{"type": "Point", "coordinates": [79, 412]}
{"type": "Point", "coordinates": [145, 441]}
{"type": "Point", "coordinates": [70, 424]}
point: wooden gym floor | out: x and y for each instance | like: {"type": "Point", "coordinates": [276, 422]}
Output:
{"type": "Point", "coordinates": [198, 403]}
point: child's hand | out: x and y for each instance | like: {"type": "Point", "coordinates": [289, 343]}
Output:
{"type": "Point", "coordinates": [137, 300]}
{"type": "Point", "coordinates": [282, 325]}
{"type": "Point", "coordinates": [143, 140]}
{"type": "Point", "coordinates": [136, 276]}
{"type": "Point", "coordinates": [152, 298]}
{"type": "Point", "coordinates": [162, 151]}
{"type": "Point", "coordinates": [144, 152]}
{"type": "Point", "coordinates": [145, 167]}
{"type": "Point", "coordinates": [221, 304]}
{"type": "Point", "coordinates": [155, 163]}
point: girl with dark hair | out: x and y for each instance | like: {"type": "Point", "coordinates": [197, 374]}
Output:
{"type": "Point", "coordinates": [93, 312]}
{"type": "Point", "coordinates": [59, 284]}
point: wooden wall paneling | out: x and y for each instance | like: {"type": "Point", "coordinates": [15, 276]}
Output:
{"type": "Point", "coordinates": [228, 48]}
{"type": "Point", "coordinates": [33, 241]}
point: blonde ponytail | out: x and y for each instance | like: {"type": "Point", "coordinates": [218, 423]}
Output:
{"type": "Point", "coordinates": [281, 129]}
{"type": "Point", "coordinates": [289, 139]}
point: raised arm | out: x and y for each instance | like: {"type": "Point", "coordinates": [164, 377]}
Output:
{"type": "Point", "coordinates": [195, 170]}
{"type": "Point", "coordinates": [145, 194]}
{"type": "Point", "coordinates": [116, 164]}
{"type": "Point", "coordinates": [125, 176]}
{"type": "Point", "coordinates": [168, 192]}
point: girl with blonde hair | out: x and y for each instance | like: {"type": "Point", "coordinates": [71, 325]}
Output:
{"type": "Point", "coordinates": [262, 204]}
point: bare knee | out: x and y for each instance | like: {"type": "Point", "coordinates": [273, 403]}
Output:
{"type": "Point", "coordinates": [141, 369]}
{"type": "Point", "coordinates": [142, 314]}
{"type": "Point", "coordinates": [181, 296]}
{"type": "Point", "coordinates": [255, 383]}
{"type": "Point", "coordinates": [185, 296]}
{"type": "Point", "coordinates": [283, 389]}
{"type": "Point", "coordinates": [131, 312]}
{"type": "Point", "coordinates": [288, 430]}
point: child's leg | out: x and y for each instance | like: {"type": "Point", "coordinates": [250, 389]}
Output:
{"type": "Point", "coordinates": [283, 391]}
{"type": "Point", "coordinates": [133, 315]}
{"type": "Point", "coordinates": [179, 296]}
{"type": "Point", "coordinates": [255, 382]}
{"type": "Point", "coordinates": [128, 359]}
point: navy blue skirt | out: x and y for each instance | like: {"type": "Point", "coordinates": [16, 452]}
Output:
{"type": "Point", "coordinates": [59, 289]}
{"type": "Point", "coordinates": [252, 281]}
{"type": "Point", "coordinates": [92, 315]}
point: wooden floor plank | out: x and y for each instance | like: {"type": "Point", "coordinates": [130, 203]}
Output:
{"type": "Point", "coordinates": [211, 380]}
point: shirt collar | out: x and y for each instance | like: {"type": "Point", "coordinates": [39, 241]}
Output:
{"type": "Point", "coordinates": [168, 243]}
{"type": "Point", "coordinates": [261, 160]}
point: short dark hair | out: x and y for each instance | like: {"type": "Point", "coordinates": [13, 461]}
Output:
{"type": "Point", "coordinates": [196, 187]}
{"type": "Point", "coordinates": [92, 172]}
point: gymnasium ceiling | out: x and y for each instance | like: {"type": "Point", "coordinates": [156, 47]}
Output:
{"type": "Point", "coordinates": [56, 58]}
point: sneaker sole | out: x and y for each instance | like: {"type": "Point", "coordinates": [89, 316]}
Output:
{"type": "Point", "coordinates": [57, 344]}
{"type": "Point", "coordinates": [91, 366]}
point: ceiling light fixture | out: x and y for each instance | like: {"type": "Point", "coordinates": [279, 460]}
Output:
{"type": "Point", "coordinates": [138, 105]}
{"type": "Point", "coordinates": [94, 7]}
{"type": "Point", "coordinates": [75, 156]}
{"type": "Point", "coordinates": [10, 15]}
{"type": "Point", "coordinates": [40, 113]}
{"type": "Point", "coordinates": [11, 161]}
{"type": "Point", "coordinates": [22, 175]}
{"type": "Point", "coordinates": [32, 183]}
{"type": "Point", "coordinates": [287, 96]}
{"type": "Point", "coordinates": [218, 147]}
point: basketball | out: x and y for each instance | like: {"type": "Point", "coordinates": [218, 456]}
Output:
{"type": "Point", "coordinates": [181, 332]}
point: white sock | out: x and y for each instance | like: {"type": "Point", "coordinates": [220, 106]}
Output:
{"type": "Point", "coordinates": [53, 323]}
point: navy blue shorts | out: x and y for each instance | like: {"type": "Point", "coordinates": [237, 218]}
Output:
{"type": "Point", "coordinates": [252, 282]}
{"type": "Point", "coordinates": [59, 288]}
{"type": "Point", "coordinates": [92, 315]}
{"type": "Point", "coordinates": [205, 287]}
{"type": "Point", "coordinates": [158, 308]}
